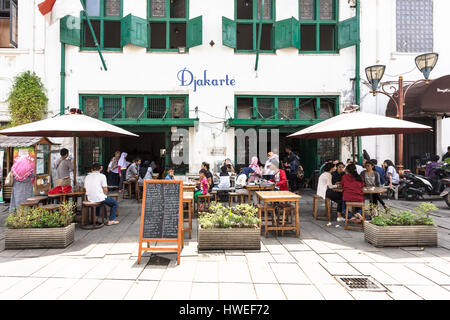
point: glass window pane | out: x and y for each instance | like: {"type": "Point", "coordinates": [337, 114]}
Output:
{"type": "Point", "coordinates": [286, 108]}
{"type": "Point", "coordinates": [266, 37]}
{"type": "Point", "coordinates": [159, 8]}
{"type": "Point", "coordinates": [244, 39]}
{"type": "Point", "coordinates": [178, 9]}
{"type": "Point", "coordinates": [91, 106]}
{"type": "Point", "coordinates": [328, 149]}
{"type": "Point", "coordinates": [265, 108]}
{"type": "Point", "coordinates": [93, 8]}
{"type": "Point", "coordinates": [307, 108]}
{"type": "Point", "coordinates": [111, 35]}
{"type": "Point", "coordinates": [113, 8]}
{"type": "Point", "coordinates": [267, 14]}
{"type": "Point", "coordinates": [327, 108]}
{"type": "Point", "coordinates": [244, 108]}
{"type": "Point", "coordinates": [306, 9]}
{"type": "Point", "coordinates": [134, 108]}
{"type": "Point", "coordinates": [156, 108]}
{"type": "Point", "coordinates": [158, 35]}
{"type": "Point", "coordinates": [177, 35]}
{"type": "Point", "coordinates": [327, 37]}
{"type": "Point", "coordinates": [112, 108]}
{"type": "Point", "coordinates": [244, 9]}
{"type": "Point", "coordinates": [307, 37]}
{"type": "Point", "coordinates": [326, 10]}
{"type": "Point", "coordinates": [88, 39]}
{"type": "Point", "coordinates": [177, 108]}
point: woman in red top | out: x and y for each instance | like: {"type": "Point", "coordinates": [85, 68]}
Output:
{"type": "Point", "coordinates": [280, 178]}
{"type": "Point", "coordinates": [352, 190]}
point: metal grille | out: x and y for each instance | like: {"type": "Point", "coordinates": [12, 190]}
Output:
{"type": "Point", "coordinates": [307, 10]}
{"type": "Point", "coordinates": [113, 8]}
{"type": "Point", "coordinates": [156, 108]}
{"type": "Point", "coordinates": [244, 108]}
{"type": "Point", "coordinates": [328, 149]}
{"type": "Point", "coordinates": [112, 108]}
{"type": "Point", "coordinates": [307, 109]}
{"type": "Point", "coordinates": [265, 108]}
{"type": "Point", "coordinates": [286, 108]}
{"type": "Point", "coordinates": [326, 9]}
{"type": "Point", "coordinates": [89, 153]}
{"type": "Point", "coordinates": [267, 14]}
{"type": "Point", "coordinates": [134, 108]}
{"type": "Point", "coordinates": [159, 8]}
{"type": "Point", "coordinates": [91, 106]}
{"type": "Point", "coordinates": [177, 106]}
{"type": "Point", "coordinates": [327, 108]}
{"type": "Point", "coordinates": [360, 283]}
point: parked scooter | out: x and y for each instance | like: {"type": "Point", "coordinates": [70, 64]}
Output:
{"type": "Point", "coordinates": [446, 193]}
{"type": "Point", "coordinates": [416, 186]}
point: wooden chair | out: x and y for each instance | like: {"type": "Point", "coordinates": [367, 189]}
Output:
{"type": "Point", "coordinates": [214, 194]}
{"type": "Point", "coordinates": [41, 199]}
{"type": "Point", "coordinates": [205, 198]}
{"type": "Point", "coordinates": [52, 207]}
{"type": "Point", "coordinates": [128, 185]}
{"type": "Point", "coordinates": [354, 205]}
{"type": "Point", "coordinates": [115, 196]}
{"type": "Point", "coordinates": [88, 211]}
{"type": "Point", "coordinates": [327, 208]}
{"type": "Point", "coordinates": [233, 196]}
{"type": "Point", "coordinates": [272, 210]}
{"type": "Point", "coordinates": [139, 193]}
{"type": "Point", "coordinates": [288, 210]}
{"type": "Point", "coordinates": [30, 204]}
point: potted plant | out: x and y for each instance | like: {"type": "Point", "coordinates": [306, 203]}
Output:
{"type": "Point", "coordinates": [30, 228]}
{"type": "Point", "coordinates": [229, 228]}
{"type": "Point", "coordinates": [395, 228]}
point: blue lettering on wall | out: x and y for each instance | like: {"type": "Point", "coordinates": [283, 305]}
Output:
{"type": "Point", "coordinates": [187, 78]}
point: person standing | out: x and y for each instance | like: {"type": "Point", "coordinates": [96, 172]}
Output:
{"type": "Point", "coordinates": [22, 187]}
{"type": "Point", "coordinates": [113, 171]}
{"type": "Point", "coordinates": [97, 190]}
{"type": "Point", "coordinates": [293, 163]}
{"type": "Point", "coordinates": [64, 165]}
{"type": "Point", "coordinates": [122, 169]}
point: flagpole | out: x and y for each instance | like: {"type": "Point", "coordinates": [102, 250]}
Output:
{"type": "Point", "coordinates": [93, 35]}
{"type": "Point", "coordinates": [259, 35]}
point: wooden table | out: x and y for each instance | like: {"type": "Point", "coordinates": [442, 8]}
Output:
{"type": "Point", "coordinates": [188, 197]}
{"type": "Point", "coordinates": [368, 190]}
{"type": "Point", "coordinates": [280, 196]}
{"type": "Point", "coordinates": [257, 187]}
{"type": "Point", "coordinates": [188, 187]}
{"type": "Point", "coordinates": [63, 196]}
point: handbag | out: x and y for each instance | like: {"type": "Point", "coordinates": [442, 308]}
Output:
{"type": "Point", "coordinates": [9, 179]}
{"type": "Point", "coordinates": [300, 173]}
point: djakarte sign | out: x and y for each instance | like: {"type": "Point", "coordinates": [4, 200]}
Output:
{"type": "Point", "coordinates": [187, 78]}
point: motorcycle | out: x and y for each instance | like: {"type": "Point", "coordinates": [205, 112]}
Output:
{"type": "Point", "coordinates": [416, 186]}
{"type": "Point", "coordinates": [446, 193]}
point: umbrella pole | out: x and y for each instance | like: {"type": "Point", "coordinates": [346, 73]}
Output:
{"type": "Point", "coordinates": [353, 148]}
{"type": "Point", "coordinates": [74, 162]}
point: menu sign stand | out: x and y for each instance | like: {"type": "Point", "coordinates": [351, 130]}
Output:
{"type": "Point", "coordinates": [162, 216]}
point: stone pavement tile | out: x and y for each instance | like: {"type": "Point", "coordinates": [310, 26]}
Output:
{"type": "Point", "coordinates": [214, 256]}
{"type": "Point", "coordinates": [204, 291]}
{"type": "Point", "coordinates": [318, 246]}
{"type": "Point", "coordinates": [289, 273]}
{"type": "Point", "coordinates": [127, 269]}
{"type": "Point", "coordinates": [276, 248]}
{"type": "Point", "coordinates": [442, 267]}
{"type": "Point", "coordinates": [51, 289]}
{"type": "Point", "coordinates": [334, 292]}
{"type": "Point", "coordinates": [117, 257]}
{"type": "Point", "coordinates": [79, 247]}
{"type": "Point", "coordinates": [369, 269]}
{"type": "Point", "coordinates": [77, 268]}
{"type": "Point", "coordinates": [183, 272]}
{"type": "Point", "coordinates": [7, 282]}
{"type": "Point", "coordinates": [446, 287]}
{"type": "Point", "coordinates": [301, 292]}
{"type": "Point", "coordinates": [31, 253]}
{"type": "Point", "coordinates": [237, 291]}
{"type": "Point", "coordinates": [173, 290]}
{"type": "Point", "coordinates": [440, 252]}
{"type": "Point", "coordinates": [234, 252]}
{"type": "Point", "coordinates": [111, 290]}
{"type": "Point", "coordinates": [21, 288]}
{"type": "Point", "coordinates": [102, 269]}
{"type": "Point", "coordinates": [430, 273]}
{"type": "Point", "coordinates": [332, 257]}
{"type": "Point", "coordinates": [403, 274]}
{"type": "Point", "coordinates": [269, 292]}
{"type": "Point", "coordinates": [259, 256]}
{"type": "Point", "coordinates": [294, 244]}
{"type": "Point", "coordinates": [80, 290]}
{"type": "Point", "coordinates": [354, 256]}
{"type": "Point", "coordinates": [282, 258]}
{"type": "Point", "coordinates": [207, 271]}
{"type": "Point", "coordinates": [261, 272]}
{"type": "Point", "coordinates": [154, 273]}
{"type": "Point", "coordinates": [378, 256]}
{"type": "Point", "coordinates": [9, 253]}
{"type": "Point", "coordinates": [100, 250]}
{"type": "Point", "coordinates": [430, 292]}
{"type": "Point", "coordinates": [399, 255]}
{"type": "Point", "coordinates": [123, 247]}
{"type": "Point", "coordinates": [402, 293]}
{"type": "Point", "coordinates": [307, 256]}
{"type": "Point", "coordinates": [142, 290]}
{"type": "Point", "coordinates": [335, 268]}
{"type": "Point", "coordinates": [316, 273]}
{"type": "Point", "coordinates": [370, 295]}
{"type": "Point", "coordinates": [23, 267]}
{"type": "Point", "coordinates": [234, 258]}
{"type": "Point", "coordinates": [53, 267]}
{"type": "Point", "coordinates": [234, 272]}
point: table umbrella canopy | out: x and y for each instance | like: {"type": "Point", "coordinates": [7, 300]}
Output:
{"type": "Point", "coordinates": [69, 125]}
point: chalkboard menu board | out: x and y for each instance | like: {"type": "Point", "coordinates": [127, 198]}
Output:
{"type": "Point", "coordinates": [161, 210]}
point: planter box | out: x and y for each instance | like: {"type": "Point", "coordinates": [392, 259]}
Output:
{"type": "Point", "coordinates": [229, 239]}
{"type": "Point", "coordinates": [39, 238]}
{"type": "Point", "coordinates": [400, 236]}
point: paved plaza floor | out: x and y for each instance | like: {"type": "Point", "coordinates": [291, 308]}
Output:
{"type": "Point", "coordinates": [102, 264]}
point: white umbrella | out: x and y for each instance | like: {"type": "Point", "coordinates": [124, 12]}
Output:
{"type": "Point", "coordinates": [69, 125]}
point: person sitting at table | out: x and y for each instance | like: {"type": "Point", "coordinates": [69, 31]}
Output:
{"type": "Point", "coordinates": [145, 173]}
{"type": "Point", "coordinates": [380, 171]}
{"type": "Point", "coordinates": [323, 165]}
{"type": "Point", "coordinates": [272, 160]}
{"type": "Point", "coordinates": [241, 181]}
{"type": "Point", "coordinates": [208, 174]}
{"type": "Point", "coordinates": [170, 174]}
{"type": "Point", "coordinates": [204, 186]}
{"type": "Point", "coordinates": [132, 171]}
{"type": "Point", "coordinates": [257, 173]}
{"type": "Point", "coordinates": [279, 178]}
{"type": "Point", "coordinates": [371, 178]}
{"type": "Point", "coordinates": [224, 178]}
{"type": "Point", "coordinates": [229, 165]}
{"type": "Point", "coordinates": [337, 174]}
{"type": "Point", "coordinates": [352, 191]}
{"type": "Point", "coordinates": [392, 176]}
{"type": "Point", "coordinates": [325, 186]}
{"type": "Point", "coordinates": [64, 165]}
{"type": "Point", "coordinates": [96, 191]}
{"type": "Point", "coordinates": [430, 169]}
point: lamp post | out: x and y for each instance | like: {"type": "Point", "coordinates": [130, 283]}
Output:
{"type": "Point", "coordinates": [425, 63]}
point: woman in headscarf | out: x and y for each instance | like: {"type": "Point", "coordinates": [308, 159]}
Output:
{"type": "Point", "coordinates": [145, 172]}
{"type": "Point", "coordinates": [122, 166]}
{"type": "Point", "coordinates": [257, 172]}
{"type": "Point", "coordinates": [23, 172]}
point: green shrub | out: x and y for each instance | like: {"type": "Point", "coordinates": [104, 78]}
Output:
{"type": "Point", "coordinates": [41, 218]}
{"type": "Point", "coordinates": [219, 216]}
{"type": "Point", "coordinates": [419, 216]}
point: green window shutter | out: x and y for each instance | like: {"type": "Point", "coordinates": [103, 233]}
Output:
{"type": "Point", "coordinates": [70, 30]}
{"type": "Point", "coordinates": [228, 32]}
{"type": "Point", "coordinates": [194, 36]}
{"type": "Point", "coordinates": [287, 33]}
{"type": "Point", "coordinates": [348, 33]}
{"type": "Point", "coordinates": [134, 31]}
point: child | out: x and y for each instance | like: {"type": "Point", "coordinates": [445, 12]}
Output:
{"type": "Point", "coordinates": [170, 174]}
{"type": "Point", "coordinates": [204, 185]}
{"type": "Point", "coordinates": [352, 190]}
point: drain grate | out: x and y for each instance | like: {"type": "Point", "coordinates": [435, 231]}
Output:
{"type": "Point", "coordinates": [366, 283]}
{"type": "Point", "coordinates": [158, 261]}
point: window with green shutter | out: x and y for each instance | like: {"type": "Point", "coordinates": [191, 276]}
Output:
{"type": "Point", "coordinates": [348, 33]}
{"type": "Point", "coordinates": [70, 30]}
{"type": "Point", "coordinates": [134, 31]}
{"type": "Point", "coordinates": [287, 33]}
{"type": "Point", "coordinates": [170, 27]}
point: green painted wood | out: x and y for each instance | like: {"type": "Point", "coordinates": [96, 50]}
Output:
{"type": "Point", "coordinates": [348, 33]}
{"type": "Point", "coordinates": [154, 122]}
{"type": "Point", "coordinates": [229, 32]}
{"type": "Point", "coordinates": [272, 122]}
{"type": "Point", "coordinates": [287, 33]}
{"type": "Point", "coordinates": [70, 30]}
{"type": "Point", "coordinates": [134, 30]}
{"type": "Point", "coordinates": [194, 32]}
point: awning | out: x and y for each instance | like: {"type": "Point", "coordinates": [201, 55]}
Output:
{"type": "Point", "coordinates": [425, 100]}
{"type": "Point", "coordinates": [11, 142]}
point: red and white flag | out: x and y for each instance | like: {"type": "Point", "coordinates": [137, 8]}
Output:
{"type": "Point", "coordinates": [53, 10]}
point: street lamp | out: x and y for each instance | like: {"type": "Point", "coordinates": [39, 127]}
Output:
{"type": "Point", "coordinates": [425, 63]}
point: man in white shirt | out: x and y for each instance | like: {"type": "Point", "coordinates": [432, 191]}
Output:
{"type": "Point", "coordinates": [324, 188]}
{"type": "Point", "coordinates": [96, 190]}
